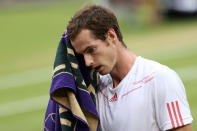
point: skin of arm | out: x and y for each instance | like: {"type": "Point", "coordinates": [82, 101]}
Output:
{"type": "Point", "coordinates": [183, 128]}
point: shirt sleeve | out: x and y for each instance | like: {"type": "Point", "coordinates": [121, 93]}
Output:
{"type": "Point", "coordinates": [171, 105]}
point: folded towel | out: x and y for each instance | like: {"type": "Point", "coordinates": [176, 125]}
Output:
{"type": "Point", "coordinates": [72, 103]}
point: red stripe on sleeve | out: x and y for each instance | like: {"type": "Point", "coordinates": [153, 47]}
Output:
{"type": "Point", "coordinates": [170, 114]}
{"type": "Point", "coordinates": [180, 117]}
{"type": "Point", "coordinates": [173, 108]}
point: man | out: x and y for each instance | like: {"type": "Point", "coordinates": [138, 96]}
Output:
{"type": "Point", "coordinates": [135, 94]}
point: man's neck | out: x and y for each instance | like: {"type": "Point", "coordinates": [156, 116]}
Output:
{"type": "Point", "coordinates": [125, 62]}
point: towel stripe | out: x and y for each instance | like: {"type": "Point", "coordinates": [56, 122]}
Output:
{"type": "Point", "coordinates": [62, 73]}
{"type": "Point", "coordinates": [170, 114]}
{"type": "Point", "coordinates": [180, 117]}
{"type": "Point", "coordinates": [91, 89]}
{"type": "Point", "coordinates": [65, 122]}
{"type": "Point", "coordinates": [61, 110]}
{"type": "Point", "coordinates": [70, 51]}
{"type": "Point", "coordinates": [83, 83]}
{"type": "Point", "coordinates": [63, 66]}
{"type": "Point", "coordinates": [84, 90]}
{"type": "Point", "coordinates": [74, 65]}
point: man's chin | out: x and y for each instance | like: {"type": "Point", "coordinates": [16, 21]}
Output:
{"type": "Point", "coordinates": [103, 73]}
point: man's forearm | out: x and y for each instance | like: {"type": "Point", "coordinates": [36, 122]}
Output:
{"type": "Point", "coordinates": [183, 128]}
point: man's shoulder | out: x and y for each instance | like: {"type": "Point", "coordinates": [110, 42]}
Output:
{"type": "Point", "coordinates": [148, 63]}
{"type": "Point", "coordinates": [160, 69]}
{"type": "Point", "coordinates": [147, 66]}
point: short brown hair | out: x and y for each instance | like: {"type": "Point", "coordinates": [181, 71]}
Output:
{"type": "Point", "coordinates": [97, 19]}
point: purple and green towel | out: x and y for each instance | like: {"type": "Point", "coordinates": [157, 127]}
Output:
{"type": "Point", "coordinates": [72, 103]}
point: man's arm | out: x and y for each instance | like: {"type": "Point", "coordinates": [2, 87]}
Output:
{"type": "Point", "coordinates": [171, 104]}
{"type": "Point", "coordinates": [183, 128]}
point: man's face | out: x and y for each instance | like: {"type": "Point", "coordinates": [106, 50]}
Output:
{"type": "Point", "coordinates": [98, 54]}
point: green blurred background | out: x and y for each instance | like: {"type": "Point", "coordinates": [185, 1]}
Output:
{"type": "Point", "coordinates": [29, 35]}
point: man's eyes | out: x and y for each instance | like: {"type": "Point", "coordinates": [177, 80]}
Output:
{"type": "Point", "coordinates": [91, 50]}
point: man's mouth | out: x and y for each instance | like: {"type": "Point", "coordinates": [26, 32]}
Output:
{"type": "Point", "coordinates": [97, 68]}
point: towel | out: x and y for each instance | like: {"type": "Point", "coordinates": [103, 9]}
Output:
{"type": "Point", "coordinates": [72, 103]}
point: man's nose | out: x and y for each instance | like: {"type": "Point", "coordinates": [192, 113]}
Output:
{"type": "Point", "coordinates": [88, 60]}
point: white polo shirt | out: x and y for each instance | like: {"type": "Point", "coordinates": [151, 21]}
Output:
{"type": "Point", "coordinates": [151, 97]}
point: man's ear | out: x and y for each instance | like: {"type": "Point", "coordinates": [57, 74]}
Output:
{"type": "Point", "coordinates": [111, 35]}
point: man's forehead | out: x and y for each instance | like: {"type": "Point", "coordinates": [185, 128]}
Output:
{"type": "Point", "coordinates": [78, 47]}
{"type": "Point", "coordinates": [83, 40]}
{"type": "Point", "coordinates": [83, 49]}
